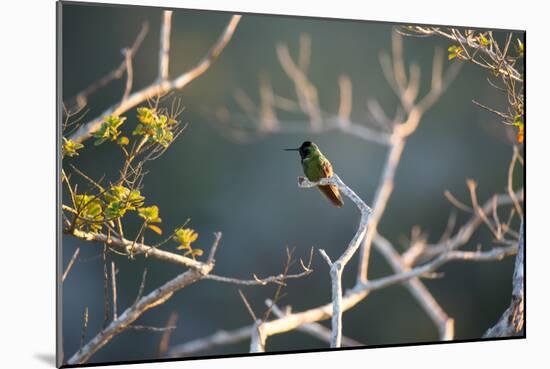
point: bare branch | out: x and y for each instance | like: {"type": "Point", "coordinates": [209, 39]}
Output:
{"type": "Point", "coordinates": [301, 320]}
{"type": "Point", "coordinates": [511, 192]}
{"type": "Point", "coordinates": [129, 74]}
{"type": "Point", "coordinates": [105, 287]}
{"type": "Point", "coordinates": [165, 339]}
{"type": "Point", "coordinates": [113, 285]}
{"type": "Point", "coordinates": [124, 245]}
{"type": "Point", "coordinates": [142, 304]}
{"type": "Point", "coordinates": [152, 329]}
{"type": "Point", "coordinates": [80, 100]}
{"type": "Point", "coordinates": [161, 88]}
{"type": "Point", "coordinates": [305, 52]}
{"type": "Point", "coordinates": [84, 329]}
{"type": "Point", "coordinates": [247, 305]}
{"type": "Point", "coordinates": [502, 115]}
{"type": "Point", "coordinates": [315, 329]}
{"type": "Point", "coordinates": [456, 36]}
{"type": "Point", "coordinates": [277, 279]}
{"type": "Point", "coordinates": [152, 299]}
{"type": "Point", "coordinates": [415, 112]}
{"type": "Point", "coordinates": [305, 90]}
{"type": "Point", "coordinates": [353, 296]}
{"type": "Point", "coordinates": [70, 265]}
{"type": "Point", "coordinates": [444, 324]}
{"type": "Point", "coordinates": [381, 197]}
{"type": "Point", "coordinates": [346, 99]}
{"type": "Point", "coordinates": [214, 248]}
{"type": "Point", "coordinates": [512, 320]}
{"type": "Point", "coordinates": [458, 204]}
{"type": "Point", "coordinates": [257, 338]}
{"type": "Point", "coordinates": [465, 232]}
{"type": "Point", "coordinates": [219, 338]}
{"type": "Point", "coordinates": [164, 54]}
{"type": "Point", "coordinates": [337, 267]}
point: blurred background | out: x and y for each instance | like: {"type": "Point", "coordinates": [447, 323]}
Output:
{"type": "Point", "coordinates": [248, 190]}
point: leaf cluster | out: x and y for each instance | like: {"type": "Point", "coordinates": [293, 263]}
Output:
{"type": "Point", "coordinates": [185, 237]}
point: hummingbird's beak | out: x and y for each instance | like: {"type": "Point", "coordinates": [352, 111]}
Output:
{"type": "Point", "coordinates": [291, 149]}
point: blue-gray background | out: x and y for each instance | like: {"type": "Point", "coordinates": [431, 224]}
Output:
{"type": "Point", "coordinates": [248, 190]}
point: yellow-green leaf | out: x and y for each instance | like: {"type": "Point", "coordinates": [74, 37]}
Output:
{"type": "Point", "coordinates": [155, 229]}
{"type": "Point", "coordinates": [70, 147]}
{"type": "Point", "coordinates": [150, 214]}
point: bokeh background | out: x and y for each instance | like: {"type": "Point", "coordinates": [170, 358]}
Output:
{"type": "Point", "coordinates": [248, 190]}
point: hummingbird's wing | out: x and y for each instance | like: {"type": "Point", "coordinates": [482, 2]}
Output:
{"type": "Point", "coordinates": [326, 167]}
{"type": "Point", "coordinates": [331, 192]}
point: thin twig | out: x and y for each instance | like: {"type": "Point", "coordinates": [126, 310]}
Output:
{"type": "Point", "coordinates": [247, 305]}
{"type": "Point", "coordinates": [453, 200]}
{"type": "Point", "coordinates": [152, 329]}
{"type": "Point", "coordinates": [105, 287]}
{"type": "Point", "coordinates": [277, 279]}
{"type": "Point", "coordinates": [511, 192]}
{"type": "Point", "coordinates": [70, 265]}
{"type": "Point", "coordinates": [84, 329]}
{"type": "Point", "coordinates": [113, 286]}
{"type": "Point", "coordinates": [129, 74]}
{"type": "Point", "coordinates": [165, 339]}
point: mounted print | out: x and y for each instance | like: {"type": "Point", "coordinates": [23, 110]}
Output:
{"type": "Point", "coordinates": [233, 184]}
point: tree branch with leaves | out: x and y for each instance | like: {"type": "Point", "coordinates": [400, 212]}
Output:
{"type": "Point", "coordinates": [98, 212]}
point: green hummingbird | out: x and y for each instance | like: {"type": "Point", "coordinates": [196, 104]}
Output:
{"type": "Point", "coordinates": [316, 166]}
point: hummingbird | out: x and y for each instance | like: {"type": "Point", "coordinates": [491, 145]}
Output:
{"type": "Point", "coordinates": [317, 166]}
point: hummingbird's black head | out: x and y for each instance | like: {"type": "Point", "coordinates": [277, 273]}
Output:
{"type": "Point", "coordinates": [305, 149]}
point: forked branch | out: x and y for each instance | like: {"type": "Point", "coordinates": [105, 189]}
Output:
{"type": "Point", "coordinates": [162, 85]}
{"type": "Point", "coordinates": [337, 267]}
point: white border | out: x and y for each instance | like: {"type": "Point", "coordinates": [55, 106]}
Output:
{"type": "Point", "coordinates": [27, 137]}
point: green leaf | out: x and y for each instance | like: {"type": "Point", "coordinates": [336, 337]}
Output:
{"type": "Point", "coordinates": [70, 147]}
{"type": "Point", "coordinates": [131, 199]}
{"type": "Point", "coordinates": [156, 127]}
{"type": "Point", "coordinates": [146, 115]}
{"type": "Point", "coordinates": [483, 40]}
{"type": "Point", "coordinates": [115, 209]}
{"type": "Point", "coordinates": [91, 212]}
{"type": "Point", "coordinates": [520, 48]}
{"type": "Point", "coordinates": [150, 214]}
{"type": "Point", "coordinates": [109, 129]}
{"type": "Point", "coordinates": [185, 236]}
{"type": "Point", "coordinates": [134, 200]}
{"type": "Point", "coordinates": [116, 193]}
{"type": "Point", "coordinates": [454, 51]}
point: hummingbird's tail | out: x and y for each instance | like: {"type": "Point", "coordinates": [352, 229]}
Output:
{"type": "Point", "coordinates": [332, 193]}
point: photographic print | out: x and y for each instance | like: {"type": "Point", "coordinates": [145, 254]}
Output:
{"type": "Point", "coordinates": [237, 184]}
